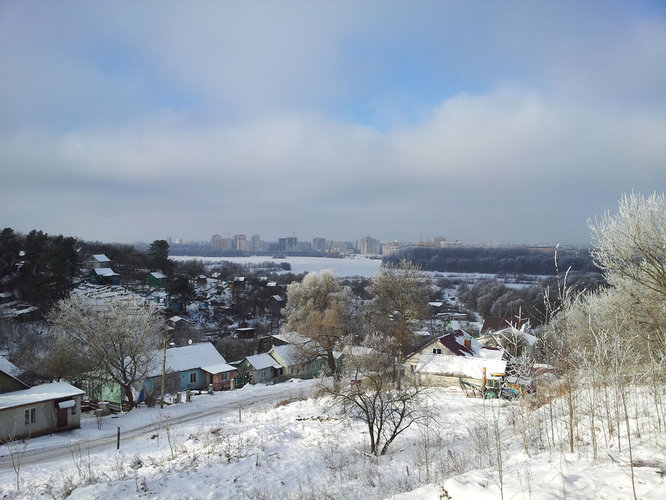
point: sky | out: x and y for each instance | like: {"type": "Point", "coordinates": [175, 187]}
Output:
{"type": "Point", "coordinates": [502, 122]}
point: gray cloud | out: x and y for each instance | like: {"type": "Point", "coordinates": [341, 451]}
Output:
{"type": "Point", "coordinates": [378, 118]}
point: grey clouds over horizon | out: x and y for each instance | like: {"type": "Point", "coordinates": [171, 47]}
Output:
{"type": "Point", "coordinates": [501, 122]}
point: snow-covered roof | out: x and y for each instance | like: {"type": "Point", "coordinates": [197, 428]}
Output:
{"type": "Point", "coordinates": [100, 257]}
{"type": "Point", "coordinates": [104, 271]}
{"type": "Point", "coordinates": [458, 366]}
{"type": "Point", "coordinates": [158, 275]}
{"type": "Point", "coordinates": [44, 392]}
{"type": "Point", "coordinates": [514, 333]}
{"type": "Point", "coordinates": [288, 353]}
{"type": "Point", "coordinates": [356, 350]}
{"type": "Point", "coordinates": [188, 357]}
{"type": "Point", "coordinates": [9, 368]}
{"type": "Point", "coordinates": [218, 368]}
{"type": "Point", "coordinates": [292, 338]}
{"type": "Point", "coordinates": [261, 361]}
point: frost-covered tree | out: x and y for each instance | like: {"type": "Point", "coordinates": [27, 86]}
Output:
{"type": "Point", "coordinates": [319, 309]}
{"type": "Point", "coordinates": [632, 243]}
{"type": "Point", "coordinates": [119, 335]}
{"type": "Point", "coordinates": [399, 304]}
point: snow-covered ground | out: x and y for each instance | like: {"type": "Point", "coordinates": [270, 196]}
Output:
{"type": "Point", "coordinates": [290, 445]}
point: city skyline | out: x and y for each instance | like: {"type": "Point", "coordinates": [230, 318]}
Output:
{"type": "Point", "coordinates": [512, 122]}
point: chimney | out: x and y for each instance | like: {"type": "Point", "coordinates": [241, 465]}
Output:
{"type": "Point", "coordinates": [468, 343]}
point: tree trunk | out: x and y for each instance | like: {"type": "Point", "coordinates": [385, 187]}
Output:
{"type": "Point", "coordinates": [129, 395]}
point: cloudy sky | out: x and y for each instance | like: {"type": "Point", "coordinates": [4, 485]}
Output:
{"type": "Point", "coordinates": [481, 121]}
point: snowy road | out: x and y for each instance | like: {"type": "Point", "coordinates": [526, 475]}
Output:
{"type": "Point", "coordinates": [139, 425]}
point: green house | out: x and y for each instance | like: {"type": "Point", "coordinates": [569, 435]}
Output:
{"type": "Point", "coordinates": [157, 279]}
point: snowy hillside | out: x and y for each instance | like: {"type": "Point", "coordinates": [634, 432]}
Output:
{"type": "Point", "coordinates": [291, 445]}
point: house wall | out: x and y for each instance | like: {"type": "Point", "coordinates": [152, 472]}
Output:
{"type": "Point", "coordinates": [220, 381]}
{"type": "Point", "coordinates": [153, 385]}
{"type": "Point", "coordinates": [185, 379]}
{"type": "Point", "coordinates": [9, 384]}
{"type": "Point", "coordinates": [413, 360]}
{"type": "Point", "coordinates": [435, 380]}
{"type": "Point", "coordinates": [13, 426]}
{"type": "Point", "coordinates": [98, 389]}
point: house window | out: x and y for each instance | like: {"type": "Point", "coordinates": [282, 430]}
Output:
{"type": "Point", "coordinates": [30, 416]}
{"type": "Point", "coordinates": [193, 378]}
{"type": "Point", "coordinates": [263, 373]}
{"type": "Point", "coordinates": [225, 376]}
{"type": "Point", "coordinates": [436, 350]}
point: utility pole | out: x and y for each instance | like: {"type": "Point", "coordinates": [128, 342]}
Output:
{"type": "Point", "coordinates": [163, 372]}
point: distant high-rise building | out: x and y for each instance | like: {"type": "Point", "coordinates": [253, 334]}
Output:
{"type": "Point", "coordinates": [369, 246]}
{"type": "Point", "coordinates": [240, 243]}
{"type": "Point", "coordinates": [256, 244]}
{"type": "Point", "coordinates": [288, 244]}
{"type": "Point", "coordinates": [221, 243]}
{"type": "Point", "coordinates": [388, 247]}
{"type": "Point", "coordinates": [318, 244]}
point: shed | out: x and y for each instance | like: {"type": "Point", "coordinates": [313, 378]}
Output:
{"type": "Point", "coordinates": [157, 279]}
{"type": "Point", "coordinates": [103, 276]}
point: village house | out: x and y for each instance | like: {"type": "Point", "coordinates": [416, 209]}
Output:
{"type": "Point", "coordinates": [221, 377]}
{"type": "Point", "coordinates": [39, 410]}
{"type": "Point", "coordinates": [259, 369]}
{"type": "Point", "coordinates": [98, 261]}
{"type": "Point", "coordinates": [185, 369]}
{"type": "Point", "coordinates": [456, 354]}
{"type": "Point", "coordinates": [292, 362]}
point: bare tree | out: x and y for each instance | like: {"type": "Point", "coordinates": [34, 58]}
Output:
{"type": "Point", "coordinates": [319, 309]}
{"type": "Point", "coordinates": [16, 449]}
{"type": "Point", "coordinates": [119, 335]}
{"type": "Point", "coordinates": [372, 398]}
{"type": "Point", "coordinates": [399, 304]}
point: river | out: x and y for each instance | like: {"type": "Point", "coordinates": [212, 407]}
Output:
{"type": "Point", "coordinates": [353, 266]}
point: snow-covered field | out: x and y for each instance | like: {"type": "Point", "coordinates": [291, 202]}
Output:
{"type": "Point", "coordinates": [290, 445]}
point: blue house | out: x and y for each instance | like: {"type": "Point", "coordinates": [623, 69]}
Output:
{"type": "Point", "coordinates": [184, 368]}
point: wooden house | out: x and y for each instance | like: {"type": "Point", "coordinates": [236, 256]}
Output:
{"type": "Point", "coordinates": [293, 365]}
{"type": "Point", "coordinates": [259, 369]}
{"type": "Point", "coordinates": [184, 368]}
{"type": "Point", "coordinates": [103, 276]}
{"type": "Point", "coordinates": [39, 410]}
{"type": "Point", "coordinates": [98, 261]}
{"type": "Point", "coordinates": [157, 279]}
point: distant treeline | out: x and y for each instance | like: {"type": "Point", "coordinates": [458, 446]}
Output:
{"type": "Point", "coordinates": [496, 260]}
